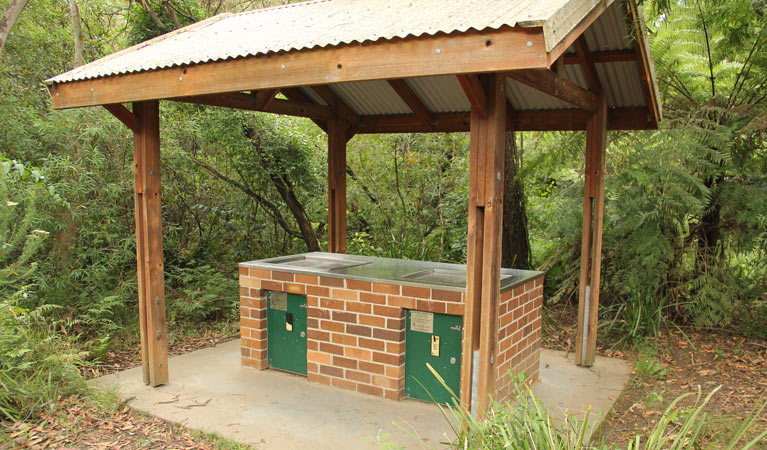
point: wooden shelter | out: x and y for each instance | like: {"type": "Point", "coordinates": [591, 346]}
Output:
{"type": "Point", "coordinates": [356, 67]}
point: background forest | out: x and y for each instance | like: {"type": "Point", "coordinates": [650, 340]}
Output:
{"type": "Point", "coordinates": [685, 230]}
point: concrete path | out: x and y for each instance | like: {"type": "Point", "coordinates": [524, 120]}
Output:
{"type": "Point", "coordinates": [566, 388]}
{"type": "Point", "coordinates": [210, 391]}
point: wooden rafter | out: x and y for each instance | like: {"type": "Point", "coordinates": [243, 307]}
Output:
{"type": "Point", "coordinates": [248, 102]}
{"type": "Point", "coordinates": [644, 64]}
{"type": "Point", "coordinates": [264, 98]}
{"type": "Point", "coordinates": [124, 115]}
{"type": "Point", "coordinates": [606, 56]}
{"type": "Point", "coordinates": [295, 94]}
{"type": "Point", "coordinates": [550, 83]}
{"type": "Point", "coordinates": [587, 64]}
{"type": "Point", "coordinates": [475, 93]}
{"type": "Point", "coordinates": [343, 111]}
{"type": "Point", "coordinates": [415, 104]}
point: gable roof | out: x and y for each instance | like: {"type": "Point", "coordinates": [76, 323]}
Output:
{"type": "Point", "coordinates": [354, 49]}
{"type": "Point", "coordinates": [328, 23]}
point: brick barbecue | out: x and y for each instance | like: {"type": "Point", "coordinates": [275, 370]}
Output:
{"type": "Point", "coordinates": [356, 329]}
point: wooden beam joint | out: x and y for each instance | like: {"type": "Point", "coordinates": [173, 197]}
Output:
{"type": "Point", "coordinates": [124, 115]}
{"type": "Point", "coordinates": [413, 102]}
{"type": "Point", "coordinates": [549, 82]}
{"type": "Point", "coordinates": [475, 93]}
{"type": "Point", "coordinates": [342, 110]}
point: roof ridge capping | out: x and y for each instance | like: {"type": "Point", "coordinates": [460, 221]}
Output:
{"type": "Point", "coordinates": [191, 27]}
{"type": "Point", "coordinates": [562, 21]}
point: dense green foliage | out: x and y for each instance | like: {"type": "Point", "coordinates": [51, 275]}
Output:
{"type": "Point", "coordinates": [684, 209]}
{"type": "Point", "coordinates": [685, 221]}
{"type": "Point", "coordinates": [38, 363]}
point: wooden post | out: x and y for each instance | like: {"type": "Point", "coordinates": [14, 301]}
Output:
{"type": "Point", "coordinates": [486, 181]}
{"type": "Point", "coordinates": [338, 136]}
{"type": "Point", "coordinates": [151, 285]}
{"type": "Point", "coordinates": [591, 240]}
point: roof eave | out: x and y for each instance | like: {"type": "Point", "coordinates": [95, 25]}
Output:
{"type": "Point", "coordinates": [457, 53]}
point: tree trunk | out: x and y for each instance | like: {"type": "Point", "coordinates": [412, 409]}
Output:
{"type": "Point", "coordinates": [286, 191]}
{"type": "Point", "coordinates": [77, 33]}
{"type": "Point", "coordinates": [515, 244]}
{"type": "Point", "coordinates": [9, 18]}
{"type": "Point", "coordinates": [709, 233]}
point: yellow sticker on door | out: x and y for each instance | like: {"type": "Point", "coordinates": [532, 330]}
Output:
{"type": "Point", "coordinates": [435, 345]}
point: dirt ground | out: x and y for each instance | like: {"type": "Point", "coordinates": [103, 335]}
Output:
{"type": "Point", "coordinates": [106, 423]}
{"type": "Point", "coordinates": [672, 365]}
{"type": "Point", "coordinates": [678, 363]}
{"type": "Point", "coordinates": [83, 425]}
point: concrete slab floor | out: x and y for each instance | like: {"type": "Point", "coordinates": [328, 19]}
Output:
{"type": "Point", "coordinates": [210, 391]}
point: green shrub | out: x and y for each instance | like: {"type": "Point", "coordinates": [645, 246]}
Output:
{"type": "Point", "coordinates": [202, 293]}
{"type": "Point", "coordinates": [38, 363]}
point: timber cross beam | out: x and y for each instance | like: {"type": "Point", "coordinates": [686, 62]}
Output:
{"type": "Point", "coordinates": [549, 82]}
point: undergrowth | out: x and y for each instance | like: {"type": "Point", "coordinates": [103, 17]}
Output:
{"type": "Point", "coordinates": [524, 423]}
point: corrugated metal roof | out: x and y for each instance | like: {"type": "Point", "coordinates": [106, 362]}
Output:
{"type": "Point", "coordinates": [440, 94]}
{"type": "Point", "coordinates": [322, 23]}
{"type": "Point", "coordinates": [370, 98]}
{"type": "Point", "coordinates": [609, 31]}
{"type": "Point", "coordinates": [620, 80]}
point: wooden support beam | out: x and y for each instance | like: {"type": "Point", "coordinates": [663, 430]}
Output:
{"type": "Point", "coordinates": [295, 94]}
{"type": "Point", "coordinates": [591, 239]}
{"type": "Point", "coordinates": [601, 57]}
{"type": "Point", "coordinates": [413, 102]}
{"type": "Point", "coordinates": [338, 136]}
{"type": "Point", "coordinates": [475, 93]}
{"type": "Point", "coordinates": [420, 56]}
{"type": "Point", "coordinates": [545, 120]}
{"type": "Point", "coordinates": [264, 98]}
{"type": "Point", "coordinates": [343, 111]}
{"type": "Point", "coordinates": [149, 258]}
{"type": "Point", "coordinates": [549, 83]}
{"type": "Point", "coordinates": [248, 102]}
{"type": "Point", "coordinates": [124, 115]}
{"type": "Point", "coordinates": [587, 64]}
{"type": "Point", "coordinates": [483, 283]}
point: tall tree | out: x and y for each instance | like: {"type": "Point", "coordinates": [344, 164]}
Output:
{"type": "Point", "coordinates": [77, 33]}
{"type": "Point", "coordinates": [8, 20]}
{"type": "Point", "coordinates": [515, 244]}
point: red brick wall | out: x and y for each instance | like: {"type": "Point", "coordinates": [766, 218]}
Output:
{"type": "Point", "coordinates": [519, 336]}
{"type": "Point", "coordinates": [355, 329]}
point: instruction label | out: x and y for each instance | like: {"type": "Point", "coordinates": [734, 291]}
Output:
{"type": "Point", "coordinates": [278, 300]}
{"type": "Point", "coordinates": [422, 321]}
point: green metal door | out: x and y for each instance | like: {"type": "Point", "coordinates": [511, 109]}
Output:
{"type": "Point", "coordinates": [286, 331]}
{"type": "Point", "coordinates": [434, 339]}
